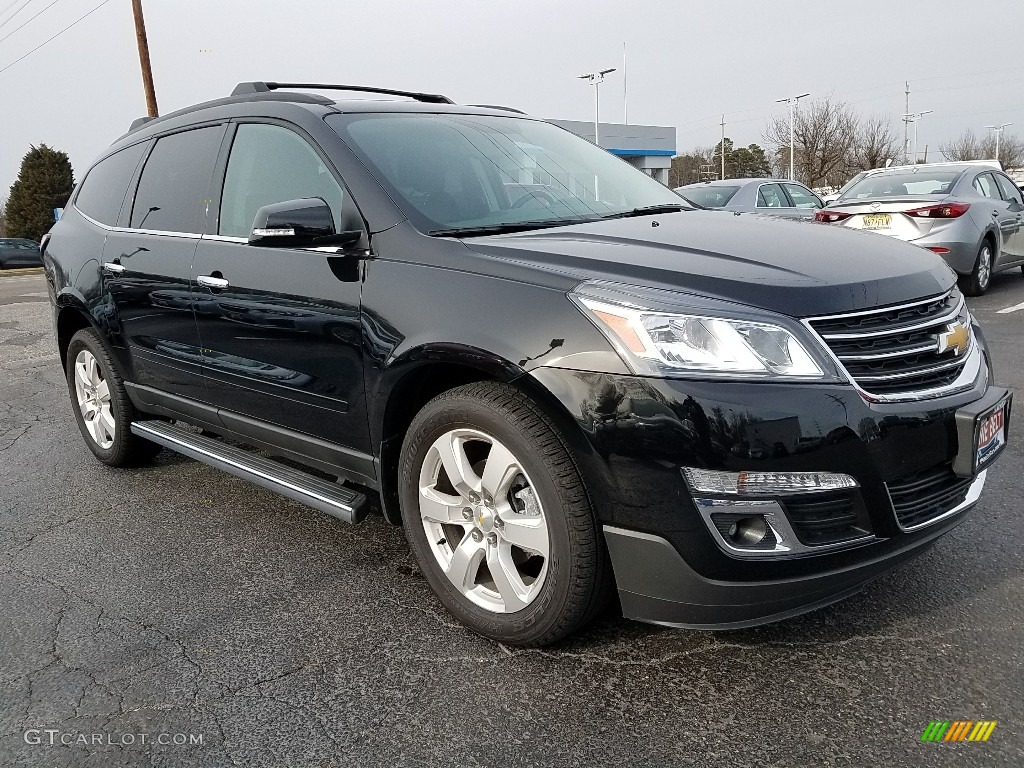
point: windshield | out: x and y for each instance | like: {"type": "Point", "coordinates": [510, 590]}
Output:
{"type": "Point", "coordinates": [707, 195]}
{"type": "Point", "coordinates": [470, 172]}
{"type": "Point", "coordinates": [902, 184]}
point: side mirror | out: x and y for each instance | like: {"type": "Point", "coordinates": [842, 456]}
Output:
{"type": "Point", "coordinates": [298, 224]}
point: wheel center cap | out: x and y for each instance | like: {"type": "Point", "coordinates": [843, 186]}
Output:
{"type": "Point", "coordinates": [484, 518]}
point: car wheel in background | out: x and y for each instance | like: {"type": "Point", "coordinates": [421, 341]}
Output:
{"type": "Point", "coordinates": [101, 405]}
{"type": "Point", "coordinates": [976, 283]}
{"type": "Point", "coordinates": [498, 518]}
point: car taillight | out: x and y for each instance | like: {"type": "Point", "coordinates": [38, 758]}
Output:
{"type": "Point", "coordinates": [945, 211]}
{"type": "Point", "coordinates": [831, 217]}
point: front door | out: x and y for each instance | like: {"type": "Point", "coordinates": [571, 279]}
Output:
{"type": "Point", "coordinates": [281, 340]}
{"type": "Point", "coordinates": [148, 260]}
{"type": "Point", "coordinates": [1013, 246]}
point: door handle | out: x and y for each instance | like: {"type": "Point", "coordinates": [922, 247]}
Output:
{"type": "Point", "coordinates": [209, 281]}
{"type": "Point", "coordinates": [113, 267]}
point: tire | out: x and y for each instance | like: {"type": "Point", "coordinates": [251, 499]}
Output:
{"type": "Point", "coordinates": [977, 282]}
{"type": "Point", "coordinates": [96, 389]}
{"type": "Point", "coordinates": [561, 578]}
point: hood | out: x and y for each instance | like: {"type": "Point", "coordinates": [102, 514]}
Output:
{"type": "Point", "coordinates": [788, 266]}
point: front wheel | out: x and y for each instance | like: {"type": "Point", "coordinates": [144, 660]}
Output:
{"type": "Point", "coordinates": [976, 283]}
{"type": "Point", "coordinates": [498, 518]}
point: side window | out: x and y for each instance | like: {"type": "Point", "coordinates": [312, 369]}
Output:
{"type": "Point", "coordinates": [175, 184]}
{"type": "Point", "coordinates": [771, 196]}
{"type": "Point", "coordinates": [803, 197]}
{"type": "Point", "coordinates": [271, 164]}
{"type": "Point", "coordinates": [105, 185]}
{"type": "Point", "coordinates": [986, 185]}
{"type": "Point", "coordinates": [1010, 192]}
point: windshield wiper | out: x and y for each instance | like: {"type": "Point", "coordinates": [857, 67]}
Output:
{"type": "Point", "coordinates": [647, 210]}
{"type": "Point", "coordinates": [500, 229]}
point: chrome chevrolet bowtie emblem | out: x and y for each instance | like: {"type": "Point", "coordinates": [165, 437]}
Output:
{"type": "Point", "coordinates": [955, 337]}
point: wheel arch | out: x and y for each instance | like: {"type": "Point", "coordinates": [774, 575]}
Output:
{"type": "Point", "coordinates": [425, 373]}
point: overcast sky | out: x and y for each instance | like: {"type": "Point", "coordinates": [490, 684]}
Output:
{"type": "Point", "coordinates": [688, 60]}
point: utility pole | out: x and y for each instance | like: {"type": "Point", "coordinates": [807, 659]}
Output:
{"type": "Point", "coordinates": [906, 125]}
{"type": "Point", "coordinates": [147, 71]}
{"type": "Point", "coordinates": [792, 101]}
{"type": "Point", "coordinates": [998, 131]}
{"type": "Point", "coordinates": [722, 148]}
{"type": "Point", "coordinates": [595, 79]}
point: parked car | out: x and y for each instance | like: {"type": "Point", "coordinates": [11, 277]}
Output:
{"type": "Point", "coordinates": [970, 214]}
{"type": "Point", "coordinates": [730, 420]}
{"type": "Point", "coordinates": [19, 252]}
{"type": "Point", "coordinates": [777, 197]}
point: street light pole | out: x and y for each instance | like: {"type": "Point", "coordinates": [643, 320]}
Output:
{"type": "Point", "coordinates": [596, 78]}
{"type": "Point", "coordinates": [914, 117]}
{"type": "Point", "coordinates": [998, 130]}
{"type": "Point", "coordinates": [792, 101]}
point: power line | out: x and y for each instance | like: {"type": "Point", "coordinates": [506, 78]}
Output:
{"type": "Point", "coordinates": [55, 36]}
{"type": "Point", "coordinates": [16, 12]}
{"type": "Point", "coordinates": [29, 20]}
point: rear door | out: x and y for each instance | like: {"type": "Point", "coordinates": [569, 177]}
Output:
{"type": "Point", "coordinates": [999, 209]}
{"type": "Point", "coordinates": [804, 202]}
{"type": "Point", "coordinates": [282, 340]}
{"type": "Point", "coordinates": [772, 200]}
{"type": "Point", "coordinates": [1014, 246]}
{"type": "Point", "coordinates": [147, 261]}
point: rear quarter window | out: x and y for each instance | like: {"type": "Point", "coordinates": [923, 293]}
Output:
{"type": "Point", "coordinates": [104, 188]}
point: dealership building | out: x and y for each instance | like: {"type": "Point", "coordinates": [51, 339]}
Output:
{"type": "Point", "coordinates": [648, 147]}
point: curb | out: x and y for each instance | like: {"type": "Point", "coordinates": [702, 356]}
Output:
{"type": "Point", "coordinates": [24, 271]}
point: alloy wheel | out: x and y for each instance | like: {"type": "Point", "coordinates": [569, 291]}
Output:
{"type": "Point", "coordinates": [93, 394]}
{"type": "Point", "coordinates": [984, 266]}
{"type": "Point", "coordinates": [483, 520]}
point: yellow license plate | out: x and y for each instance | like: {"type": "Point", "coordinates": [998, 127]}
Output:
{"type": "Point", "coordinates": [877, 221]}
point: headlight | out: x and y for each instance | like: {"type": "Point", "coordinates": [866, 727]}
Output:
{"type": "Point", "coordinates": [661, 343]}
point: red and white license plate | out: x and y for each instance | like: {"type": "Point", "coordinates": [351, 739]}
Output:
{"type": "Point", "coordinates": [991, 434]}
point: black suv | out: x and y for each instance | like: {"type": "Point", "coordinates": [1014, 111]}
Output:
{"type": "Point", "coordinates": [557, 376]}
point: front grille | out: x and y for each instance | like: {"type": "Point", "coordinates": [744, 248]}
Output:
{"type": "Point", "coordinates": [824, 518]}
{"type": "Point", "coordinates": [924, 495]}
{"type": "Point", "coordinates": [895, 350]}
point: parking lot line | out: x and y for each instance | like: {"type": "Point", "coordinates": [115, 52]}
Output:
{"type": "Point", "coordinates": [1014, 308]}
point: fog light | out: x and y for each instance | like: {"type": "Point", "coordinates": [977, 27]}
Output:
{"type": "Point", "coordinates": [746, 531]}
{"type": "Point", "coordinates": [764, 483]}
{"type": "Point", "coordinates": [750, 531]}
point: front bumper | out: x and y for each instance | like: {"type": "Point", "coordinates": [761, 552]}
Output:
{"type": "Point", "coordinates": [656, 585]}
{"type": "Point", "coordinates": [635, 434]}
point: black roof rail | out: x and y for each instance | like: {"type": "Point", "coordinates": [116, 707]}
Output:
{"type": "Point", "coordinates": [262, 87]}
{"type": "Point", "coordinates": [498, 106]}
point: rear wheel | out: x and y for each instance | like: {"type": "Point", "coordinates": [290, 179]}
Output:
{"type": "Point", "coordinates": [101, 405]}
{"type": "Point", "coordinates": [498, 518]}
{"type": "Point", "coordinates": [976, 283]}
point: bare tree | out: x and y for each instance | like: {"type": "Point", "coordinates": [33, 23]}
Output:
{"type": "Point", "coordinates": [3, 216]}
{"type": "Point", "coordinates": [967, 146]}
{"type": "Point", "coordinates": [877, 142]}
{"type": "Point", "coordinates": [964, 147]}
{"type": "Point", "coordinates": [825, 135]}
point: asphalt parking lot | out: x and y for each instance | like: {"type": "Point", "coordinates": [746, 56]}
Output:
{"type": "Point", "coordinates": [177, 600]}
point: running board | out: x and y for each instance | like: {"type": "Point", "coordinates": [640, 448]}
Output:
{"type": "Point", "coordinates": [334, 499]}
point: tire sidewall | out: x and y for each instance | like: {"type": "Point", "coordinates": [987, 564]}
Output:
{"type": "Point", "coordinates": [87, 340]}
{"type": "Point", "coordinates": [467, 413]}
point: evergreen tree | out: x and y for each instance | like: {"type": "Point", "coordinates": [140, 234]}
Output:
{"type": "Point", "coordinates": [44, 182]}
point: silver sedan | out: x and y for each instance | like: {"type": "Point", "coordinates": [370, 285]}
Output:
{"type": "Point", "coordinates": [971, 215]}
{"type": "Point", "coordinates": [777, 197]}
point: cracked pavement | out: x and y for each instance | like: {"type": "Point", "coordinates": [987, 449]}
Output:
{"type": "Point", "coordinates": [174, 598]}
